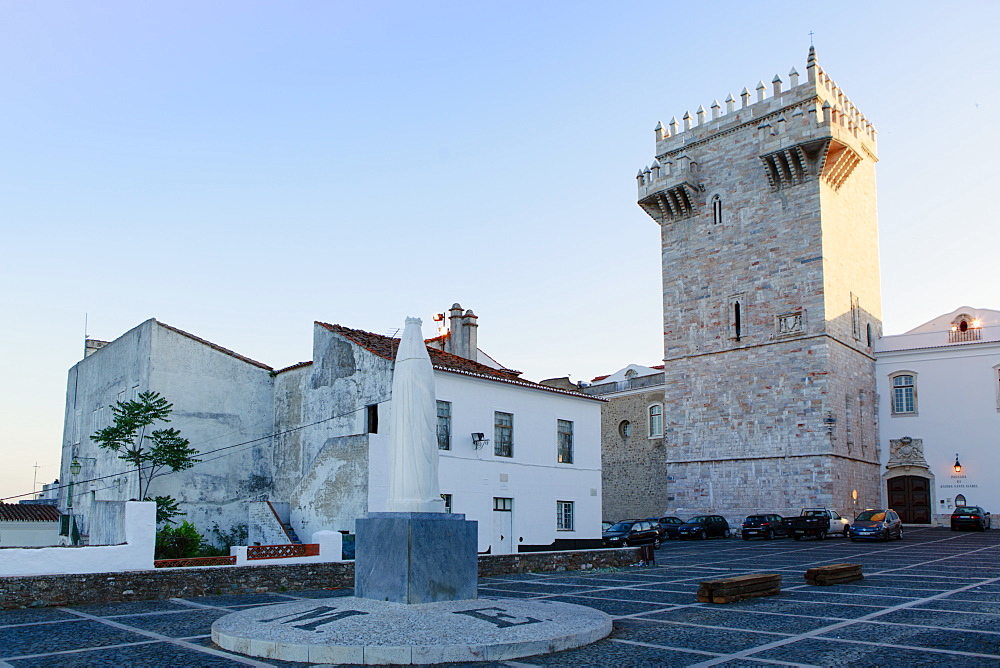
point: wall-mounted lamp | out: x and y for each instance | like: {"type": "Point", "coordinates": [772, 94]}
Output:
{"type": "Point", "coordinates": [958, 464]}
{"type": "Point", "coordinates": [75, 467]}
{"type": "Point", "coordinates": [479, 440]}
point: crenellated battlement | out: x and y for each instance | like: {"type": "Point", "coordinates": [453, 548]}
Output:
{"type": "Point", "coordinates": [809, 113]}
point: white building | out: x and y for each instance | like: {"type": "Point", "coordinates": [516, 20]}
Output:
{"type": "Point", "coordinates": [939, 392]}
{"type": "Point", "coordinates": [307, 438]}
{"type": "Point", "coordinates": [29, 525]}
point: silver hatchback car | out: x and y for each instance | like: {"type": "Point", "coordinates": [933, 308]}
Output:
{"type": "Point", "coordinates": [876, 524]}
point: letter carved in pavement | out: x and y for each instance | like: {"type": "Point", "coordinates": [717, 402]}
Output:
{"type": "Point", "coordinates": [498, 617]}
{"type": "Point", "coordinates": [313, 619]}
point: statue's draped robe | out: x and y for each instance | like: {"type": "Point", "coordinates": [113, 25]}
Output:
{"type": "Point", "coordinates": [413, 450]}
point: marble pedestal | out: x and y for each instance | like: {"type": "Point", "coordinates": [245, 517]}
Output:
{"type": "Point", "coordinates": [416, 557]}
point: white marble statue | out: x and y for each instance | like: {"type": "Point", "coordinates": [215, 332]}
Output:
{"type": "Point", "coordinates": [413, 449]}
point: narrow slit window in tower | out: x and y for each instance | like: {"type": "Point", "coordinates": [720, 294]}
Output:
{"type": "Point", "coordinates": [716, 210]}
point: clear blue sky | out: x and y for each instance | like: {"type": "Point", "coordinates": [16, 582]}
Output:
{"type": "Point", "coordinates": [241, 169]}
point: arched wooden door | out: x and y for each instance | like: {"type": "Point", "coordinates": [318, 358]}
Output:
{"type": "Point", "coordinates": [910, 496]}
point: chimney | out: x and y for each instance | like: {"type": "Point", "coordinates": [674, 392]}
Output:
{"type": "Point", "coordinates": [471, 336]}
{"type": "Point", "coordinates": [462, 339]}
{"type": "Point", "coordinates": [453, 344]}
{"type": "Point", "coordinates": [91, 346]}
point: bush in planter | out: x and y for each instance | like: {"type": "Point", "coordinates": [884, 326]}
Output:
{"type": "Point", "coordinates": [181, 542]}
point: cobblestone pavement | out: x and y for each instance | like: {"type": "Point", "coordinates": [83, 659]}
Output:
{"type": "Point", "coordinates": [930, 599]}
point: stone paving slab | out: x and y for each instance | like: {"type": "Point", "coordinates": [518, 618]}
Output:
{"type": "Point", "coordinates": [932, 596]}
{"type": "Point", "coordinates": [739, 619]}
{"type": "Point", "coordinates": [69, 635]}
{"type": "Point", "coordinates": [611, 606]}
{"type": "Point", "coordinates": [157, 654]}
{"type": "Point", "coordinates": [692, 637]}
{"type": "Point", "coordinates": [175, 624]}
{"type": "Point", "coordinates": [820, 652]}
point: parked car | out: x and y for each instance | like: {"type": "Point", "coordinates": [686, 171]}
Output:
{"type": "Point", "coordinates": [973, 517]}
{"type": "Point", "coordinates": [762, 526]}
{"type": "Point", "coordinates": [631, 532]}
{"type": "Point", "coordinates": [660, 529]}
{"type": "Point", "coordinates": [879, 524]}
{"type": "Point", "coordinates": [815, 522]}
{"type": "Point", "coordinates": [671, 525]}
{"type": "Point", "coordinates": [703, 526]}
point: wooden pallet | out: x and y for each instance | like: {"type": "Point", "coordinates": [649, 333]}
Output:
{"type": "Point", "coordinates": [739, 588]}
{"type": "Point", "coordinates": [824, 576]}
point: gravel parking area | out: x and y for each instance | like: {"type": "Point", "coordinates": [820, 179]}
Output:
{"type": "Point", "coordinates": [931, 599]}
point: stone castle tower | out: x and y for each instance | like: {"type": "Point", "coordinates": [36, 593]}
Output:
{"type": "Point", "coordinates": [770, 300]}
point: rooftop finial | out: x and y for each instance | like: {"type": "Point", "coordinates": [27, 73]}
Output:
{"type": "Point", "coordinates": [811, 65]}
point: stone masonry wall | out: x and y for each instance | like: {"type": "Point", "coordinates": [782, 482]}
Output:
{"type": "Point", "coordinates": [767, 406]}
{"type": "Point", "coordinates": [633, 468]}
{"type": "Point", "coordinates": [43, 591]}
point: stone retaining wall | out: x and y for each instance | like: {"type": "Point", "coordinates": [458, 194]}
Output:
{"type": "Point", "coordinates": [531, 562]}
{"type": "Point", "coordinates": [48, 590]}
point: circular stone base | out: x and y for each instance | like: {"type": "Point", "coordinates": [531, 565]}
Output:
{"type": "Point", "coordinates": [364, 631]}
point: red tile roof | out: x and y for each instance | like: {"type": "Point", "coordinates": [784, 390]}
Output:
{"type": "Point", "coordinates": [293, 367]}
{"type": "Point", "coordinates": [214, 346]}
{"type": "Point", "coordinates": [385, 347]}
{"type": "Point", "coordinates": [28, 512]}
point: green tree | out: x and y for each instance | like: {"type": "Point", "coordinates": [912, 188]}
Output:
{"type": "Point", "coordinates": [152, 452]}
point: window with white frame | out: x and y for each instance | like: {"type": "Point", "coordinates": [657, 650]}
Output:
{"type": "Point", "coordinates": [444, 425]}
{"type": "Point", "coordinates": [564, 434]}
{"type": "Point", "coordinates": [503, 434]}
{"type": "Point", "coordinates": [564, 515]}
{"type": "Point", "coordinates": [904, 393]}
{"type": "Point", "coordinates": [655, 420]}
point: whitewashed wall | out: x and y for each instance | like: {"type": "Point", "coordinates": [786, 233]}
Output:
{"type": "Point", "coordinates": [136, 554]}
{"type": "Point", "coordinates": [28, 534]}
{"type": "Point", "coordinates": [533, 478]}
{"type": "Point", "coordinates": [219, 400]}
{"type": "Point", "coordinates": [958, 412]}
{"type": "Point", "coordinates": [118, 370]}
{"type": "Point", "coordinates": [322, 470]}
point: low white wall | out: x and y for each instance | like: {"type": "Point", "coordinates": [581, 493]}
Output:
{"type": "Point", "coordinates": [135, 554]}
{"type": "Point", "coordinates": [330, 549]}
{"type": "Point", "coordinates": [29, 534]}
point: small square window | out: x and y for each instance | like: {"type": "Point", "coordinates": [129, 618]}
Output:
{"type": "Point", "coordinates": [503, 504]}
